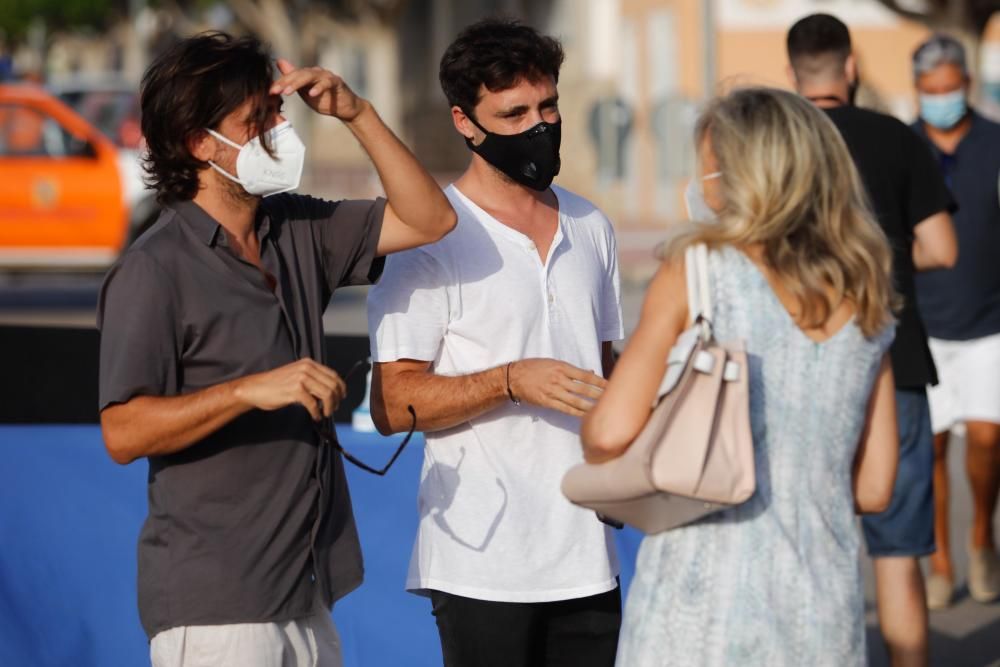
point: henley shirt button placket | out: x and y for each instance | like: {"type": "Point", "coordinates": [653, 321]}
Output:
{"type": "Point", "coordinates": [550, 290]}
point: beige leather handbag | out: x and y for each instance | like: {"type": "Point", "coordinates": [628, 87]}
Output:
{"type": "Point", "coordinates": [695, 454]}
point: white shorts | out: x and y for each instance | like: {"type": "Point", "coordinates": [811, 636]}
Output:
{"type": "Point", "coordinates": [305, 642]}
{"type": "Point", "coordinates": [969, 382]}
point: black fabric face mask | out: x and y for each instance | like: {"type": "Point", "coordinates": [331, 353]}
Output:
{"type": "Point", "coordinates": [530, 158]}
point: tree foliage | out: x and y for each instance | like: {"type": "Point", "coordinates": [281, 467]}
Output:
{"type": "Point", "coordinates": [18, 16]}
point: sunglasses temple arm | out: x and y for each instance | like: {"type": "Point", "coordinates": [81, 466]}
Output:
{"type": "Point", "coordinates": [406, 440]}
{"type": "Point", "coordinates": [360, 363]}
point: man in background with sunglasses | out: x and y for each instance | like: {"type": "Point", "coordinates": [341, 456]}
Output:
{"type": "Point", "coordinates": [212, 354]}
{"type": "Point", "coordinates": [499, 337]}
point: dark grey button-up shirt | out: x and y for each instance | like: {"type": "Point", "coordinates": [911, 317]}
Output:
{"type": "Point", "coordinates": [251, 523]}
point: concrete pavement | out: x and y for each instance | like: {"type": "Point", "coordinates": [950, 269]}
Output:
{"type": "Point", "coordinates": [968, 633]}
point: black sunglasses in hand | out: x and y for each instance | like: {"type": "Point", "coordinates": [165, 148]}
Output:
{"type": "Point", "coordinates": [328, 437]}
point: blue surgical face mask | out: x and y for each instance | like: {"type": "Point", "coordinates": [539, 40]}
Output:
{"type": "Point", "coordinates": [698, 209]}
{"type": "Point", "coordinates": [943, 111]}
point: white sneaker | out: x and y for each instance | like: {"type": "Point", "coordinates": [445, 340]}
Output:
{"type": "Point", "coordinates": [984, 574]}
{"type": "Point", "coordinates": [940, 590]}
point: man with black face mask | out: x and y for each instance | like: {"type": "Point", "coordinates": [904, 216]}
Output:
{"type": "Point", "coordinates": [911, 204]}
{"type": "Point", "coordinates": [500, 339]}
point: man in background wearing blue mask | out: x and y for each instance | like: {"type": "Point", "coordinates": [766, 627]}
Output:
{"type": "Point", "coordinates": [961, 308]}
{"type": "Point", "coordinates": [499, 336]}
{"type": "Point", "coordinates": [212, 355]}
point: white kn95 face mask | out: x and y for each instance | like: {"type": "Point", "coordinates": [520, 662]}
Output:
{"type": "Point", "coordinates": [259, 173]}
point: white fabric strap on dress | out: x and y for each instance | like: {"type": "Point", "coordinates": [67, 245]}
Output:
{"type": "Point", "coordinates": [704, 288]}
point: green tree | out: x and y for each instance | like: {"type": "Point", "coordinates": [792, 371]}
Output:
{"type": "Point", "coordinates": [298, 29]}
{"type": "Point", "coordinates": [18, 17]}
{"type": "Point", "coordinates": [966, 16]}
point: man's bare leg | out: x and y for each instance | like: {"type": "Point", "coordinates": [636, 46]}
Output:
{"type": "Point", "coordinates": [983, 468]}
{"type": "Point", "coordinates": [941, 580]}
{"type": "Point", "coordinates": [941, 559]}
{"type": "Point", "coordinates": [902, 609]}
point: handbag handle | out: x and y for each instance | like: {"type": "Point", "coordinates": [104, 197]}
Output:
{"type": "Point", "coordinates": [698, 288]}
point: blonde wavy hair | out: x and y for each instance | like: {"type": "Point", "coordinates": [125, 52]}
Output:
{"type": "Point", "coordinates": [790, 185]}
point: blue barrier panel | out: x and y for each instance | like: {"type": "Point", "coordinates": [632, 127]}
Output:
{"type": "Point", "coordinates": [70, 519]}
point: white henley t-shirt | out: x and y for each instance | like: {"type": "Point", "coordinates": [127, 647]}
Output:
{"type": "Point", "coordinates": [494, 524]}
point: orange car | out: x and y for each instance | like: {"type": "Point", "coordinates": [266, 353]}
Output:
{"type": "Point", "coordinates": [64, 200]}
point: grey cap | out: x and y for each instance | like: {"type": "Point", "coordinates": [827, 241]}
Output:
{"type": "Point", "coordinates": [939, 50]}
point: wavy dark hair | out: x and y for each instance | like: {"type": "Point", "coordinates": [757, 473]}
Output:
{"type": "Point", "coordinates": [496, 53]}
{"type": "Point", "coordinates": [193, 86]}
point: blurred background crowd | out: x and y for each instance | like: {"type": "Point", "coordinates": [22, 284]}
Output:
{"type": "Point", "coordinates": [635, 73]}
{"type": "Point", "coordinates": [635, 76]}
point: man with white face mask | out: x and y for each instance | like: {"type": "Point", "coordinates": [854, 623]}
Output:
{"type": "Point", "coordinates": [961, 307]}
{"type": "Point", "coordinates": [212, 354]}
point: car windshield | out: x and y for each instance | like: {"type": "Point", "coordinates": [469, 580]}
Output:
{"type": "Point", "coordinates": [114, 112]}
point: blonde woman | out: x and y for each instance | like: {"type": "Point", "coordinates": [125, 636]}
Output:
{"type": "Point", "coordinates": [800, 271]}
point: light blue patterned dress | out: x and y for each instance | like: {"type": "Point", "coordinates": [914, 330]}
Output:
{"type": "Point", "coordinates": [776, 580]}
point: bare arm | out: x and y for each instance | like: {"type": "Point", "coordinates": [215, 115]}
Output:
{"type": "Point", "coordinates": [442, 401]}
{"type": "Point", "coordinates": [622, 411]}
{"type": "Point", "coordinates": [417, 211]}
{"type": "Point", "coordinates": [439, 401]}
{"type": "Point", "coordinates": [158, 425]}
{"type": "Point", "coordinates": [878, 452]}
{"type": "Point", "coordinates": [934, 243]}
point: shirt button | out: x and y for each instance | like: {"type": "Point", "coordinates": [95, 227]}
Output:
{"type": "Point", "coordinates": [530, 246]}
{"type": "Point", "coordinates": [552, 298]}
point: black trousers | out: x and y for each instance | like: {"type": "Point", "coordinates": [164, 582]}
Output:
{"type": "Point", "coordinates": [575, 633]}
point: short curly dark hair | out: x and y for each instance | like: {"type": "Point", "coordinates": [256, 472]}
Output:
{"type": "Point", "coordinates": [496, 53]}
{"type": "Point", "coordinates": [194, 85]}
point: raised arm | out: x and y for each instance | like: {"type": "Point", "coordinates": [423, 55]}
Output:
{"type": "Point", "coordinates": [878, 452]}
{"type": "Point", "coordinates": [417, 211]}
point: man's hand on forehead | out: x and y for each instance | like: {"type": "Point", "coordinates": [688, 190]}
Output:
{"type": "Point", "coordinates": [322, 90]}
